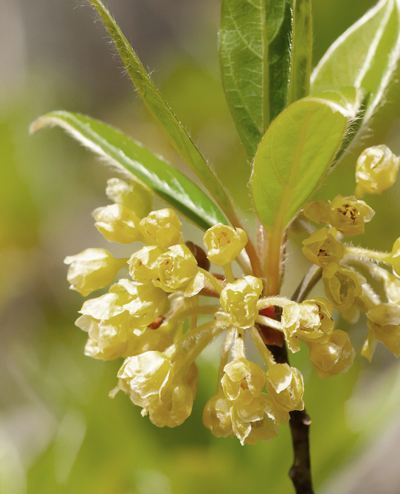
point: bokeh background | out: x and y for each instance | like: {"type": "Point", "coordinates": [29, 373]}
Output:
{"type": "Point", "coordinates": [59, 431]}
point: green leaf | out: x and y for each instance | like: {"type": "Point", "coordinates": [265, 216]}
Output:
{"type": "Point", "coordinates": [169, 184]}
{"type": "Point", "coordinates": [297, 151]}
{"type": "Point", "coordinates": [265, 53]}
{"type": "Point", "coordinates": [160, 110]}
{"type": "Point", "coordinates": [365, 56]}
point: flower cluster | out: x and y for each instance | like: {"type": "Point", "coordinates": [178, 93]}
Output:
{"type": "Point", "coordinates": [149, 316]}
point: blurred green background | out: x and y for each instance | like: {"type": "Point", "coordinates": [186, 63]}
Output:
{"type": "Point", "coordinates": [59, 431]}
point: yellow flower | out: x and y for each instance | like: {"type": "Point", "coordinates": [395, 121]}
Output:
{"type": "Point", "coordinates": [285, 385]}
{"type": "Point", "coordinates": [152, 383]}
{"type": "Point", "coordinates": [92, 269]}
{"type": "Point", "coordinates": [239, 300]}
{"type": "Point", "coordinates": [133, 196]}
{"type": "Point", "coordinates": [332, 356]}
{"type": "Point", "coordinates": [384, 323]}
{"type": "Point", "coordinates": [162, 227]}
{"type": "Point", "coordinates": [343, 286]}
{"type": "Point", "coordinates": [118, 224]}
{"type": "Point", "coordinates": [349, 215]}
{"type": "Point", "coordinates": [321, 248]}
{"type": "Point", "coordinates": [308, 321]}
{"type": "Point", "coordinates": [224, 243]}
{"type": "Point", "coordinates": [177, 270]}
{"type": "Point", "coordinates": [217, 415]}
{"type": "Point", "coordinates": [143, 264]}
{"type": "Point", "coordinates": [242, 378]}
{"type": "Point", "coordinates": [346, 214]}
{"type": "Point", "coordinates": [376, 170]}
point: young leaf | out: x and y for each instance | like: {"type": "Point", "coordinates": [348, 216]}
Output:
{"type": "Point", "coordinates": [296, 152]}
{"type": "Point", "coordinates": [265, 53]}
{"type": "Point", "coordinates": [169, 184]}
{"type": "Point", "coordinates": [159, 108]}
{"type": "Point", "coordinates": [365, 56]}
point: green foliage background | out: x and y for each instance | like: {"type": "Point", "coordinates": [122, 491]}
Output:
{"type": "Point", "coordinates": [59, 431]}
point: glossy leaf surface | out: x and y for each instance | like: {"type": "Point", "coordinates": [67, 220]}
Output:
{"type": "Point", "coordinates": [161, 111]}
{"type": "Point", "coordinates": [365, 56]}
{"type": "Point", "coordinates": [118, 149]}
{"type": "Point", "coordinates": [265, 53]}
{"type": "Point", "coordinates": [296, 152]}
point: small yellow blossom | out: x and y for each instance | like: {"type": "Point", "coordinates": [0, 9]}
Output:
{"type": "Point", "coordinates": [342, 286]}
{"type": "Point", "coordinates": [217, 415]}
{"type": "Point", "coordinates": [394, 258]}
{"type": "Point", "coordinates": [332, 356]}
{"type": "Point", "coordinates": [242, 378]}
{"type": "Point", "coordinates": [239, 300]}
{"type": "Point", "coordinates": [118, 224]}
{"type": "Point", "coordinates": [177, 270]}
{"type": "Point", "coordinates": [162, 227]}
{"type": "Point", "coordinates": [133, 196]}
{"type": "Point", "coordinates": [92, 269]}
{"type": "Point", "coordinates": [376, 170]}
{"type": "Point", "coordinates": [143, 264]}
{"type": "Point", "coordinates": [308, 321]}
{"type": "Point", "coordinates": [349, 215]}
{"type": "Point", "coordinates": [384, 322]}
{"type": "Point", "coordinates": [224, 243]}
{"type": "Point", "coordinates": [285, 385]}
{"type": "Point", "coordinates": [321, 248]}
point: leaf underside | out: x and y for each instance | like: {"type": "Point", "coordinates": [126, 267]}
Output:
{"type": "Point", "coordinates": [160, 177]}
{"type": "Point", "coordinates": [297, 151]}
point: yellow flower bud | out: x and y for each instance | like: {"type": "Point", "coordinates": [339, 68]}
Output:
{"type": "Point", "coordinates": [133, 196]}
{"type": "Point", "coordinates": [241, 376]}
{"type": "Point", "coordinates": [311, 320]}
{"type": "Point", "coordinates": [217, 415]}
{"type": "Point", "coordinates": [384, 322]}
{"type": "Point", "coordinates": [177, 269]}
{"type": "Point", "coordinates": [376, 170]}
{"type": "Point", "coordinates": [394, 258]}
{"type": "Point", "coordinates": [239, 300]}
{"type": "Point", "coordinates": [285, 385]}
{"type": "Point", "coordinates": [266, 428]}
{"type": "Point", "coordinates": [92, 269]}
{"type": "Point", "coordinates": [348, 215]}
{"type": "Point", "coordinates": [224, 243]}
{"type": "Point", "coordinates": [162, 227]}
{"type": "Point", "coordinates": [343, 286]}
{"type": "Point", "coordinates": [332, 356]}
{"type": "Point", "coordinates": [143, 264]}
{"type": "Point", "coordinates": [118, 224]}
{"type": "Point", "coordinates": [321, 248]}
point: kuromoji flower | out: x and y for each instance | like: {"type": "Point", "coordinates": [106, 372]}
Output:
{"type": "Point", "coordinates": [217, 415]}
{"type": "Point", "coordinates": [383, 322]}
{"type": "Point", "coordinates": [376, 170]}
{"type": "Point", "coordinates": [133, 196]}
{"type": "Point", "coordinates": [321, 248]}
{"type": "Point", "coordinates": [224, 243]}
{"type": "Point", "coordinates": [333, 355]}
{"type": "Point", "coordinates": [153, 383]}
{"type": "Point", "coordinates": [143, 264]}
{"type": "Point", "coordinates": [92, 269]}
{"type": "Point", "coordinates": [118, 224]}
{"type": "Point", "coordinates": [177, 270]}
{"type": "Point", "coordinates": [239, 300]}
{"type": "Point", "coordinates": [309, 321]}
{"type": "Point", "coordinates": [162, 227]}
{"type": "Point", "coordinates": [346, 214]}
{"type": "Point", "coordinates": [285, 385]}
{"type": "Point", "coordinates": [242, 379]}
{"type": "Point", "coordinates": [342, 286]}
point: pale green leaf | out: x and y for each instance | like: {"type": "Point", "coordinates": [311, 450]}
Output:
{"type": "Point", "coordinates": [265, 53]}
{"type": "Point", "coordinates": [118, 149]}
{"type": "Point", "coordinates": [161, 111]}
{"type": "Point", "coordinates": [365, 56]}
{"type": "Point", "coordinates": [297, 151]}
